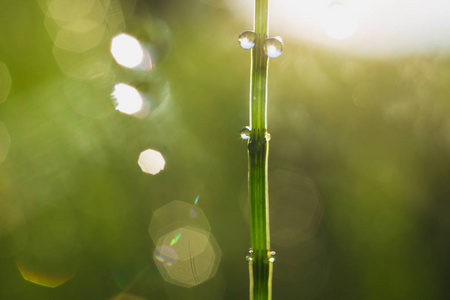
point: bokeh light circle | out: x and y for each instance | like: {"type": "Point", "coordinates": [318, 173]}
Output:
{"type": "Point", "coordinates": [187, 256]}
{"type": "Point", "coordinates": [151, 161]}
{"type": "Point", "coordinates": [128, 99]}
{"type": "Point", "coordinates": [126, 50]}
{"type": "Point", "coordinates": [174, 215]}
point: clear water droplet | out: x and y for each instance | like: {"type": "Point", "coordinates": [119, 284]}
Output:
{"type": "Point", "coordinates": [273, 47]}
{"type": "Point", "coordinates": [249, 256]}
{"type": "Point", "coordinates": [254, 146]}
{"type": "Point", "coordinates": [247, 39]}
{"type": "Point", "coordinates": [245, 133]}
{"type": "Point", "coordinates": [271, 255]}
{"type": "Point", "coordinates": [268, 137]}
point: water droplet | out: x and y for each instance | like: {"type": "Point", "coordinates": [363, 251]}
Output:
{"type": "Point", "coordinates": [271, 255]}
{"type": "Point", "coordinates": [268, 136]}
{"type": "Point", "coordinates": [249, 256]}
{"type": "Point", "coordinates": [254, 146]}
{"type": "Point", "coordinates": [247, 39]}
{"type": "Point", "coordinates": [273, 47]}
{"type": "Point", "coordinates": [245, 133]}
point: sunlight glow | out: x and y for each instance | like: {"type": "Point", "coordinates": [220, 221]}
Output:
{"type": "Point", "coordinates": [127, 51]}
{"type": "Point", "coordinates": [339, 21]}
{"type": "Point", "coordinates": [128, 100]}
{"type": "Point", "coordinates": [151, 161]}
{"type": "Point", "coordinates": [382, 28]}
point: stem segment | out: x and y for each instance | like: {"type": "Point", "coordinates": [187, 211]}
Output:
{"type": "Point", "coordinates": [259, 266]}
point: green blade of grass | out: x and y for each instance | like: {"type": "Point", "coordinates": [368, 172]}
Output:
{"type": "Point", "coordinates": [259, 265]}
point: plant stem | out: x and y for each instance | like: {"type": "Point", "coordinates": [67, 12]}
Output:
{"type": "Point", "coordinates": [259, 266]}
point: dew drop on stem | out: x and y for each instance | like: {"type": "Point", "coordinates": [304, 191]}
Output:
{"type": "Point", "coordinates": [271, 255]}
{"type": "Point", "coordinates": [245, 132]}
{"type": "Point", "coordinates": [249, 256]}
{"type": "Point", "coordinates": [273, 47]}
{"type": "Point", "coordinates": [247, 39]}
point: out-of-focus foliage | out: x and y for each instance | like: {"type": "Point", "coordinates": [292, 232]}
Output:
{"type": "Point", "coordinates": [359, 159]}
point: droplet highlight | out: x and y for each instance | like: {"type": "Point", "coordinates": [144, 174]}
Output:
{"type": "Point", "coordinates": [271, 256]}
{"type": "Point", "coordinates": [249, 256]}
{"type": "Point", "coordinates": [247, 39]}
{"type": "Point", "coordinates": [245, 133]}
{"type": "Point", "coordinates": [268, 137]}
{"type": "Point", "coordinates": [273, 47]}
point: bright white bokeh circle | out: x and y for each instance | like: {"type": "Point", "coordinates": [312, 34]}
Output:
{"type": "Point", "coordinates": [127, 51]}
{"type": "Point", "coordinates": [127, 98]}
{"type": "Point", "coordinates": [151, 161]}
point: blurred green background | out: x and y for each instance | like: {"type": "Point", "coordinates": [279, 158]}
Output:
{"type": "Point", "coordinates": [358, 170]}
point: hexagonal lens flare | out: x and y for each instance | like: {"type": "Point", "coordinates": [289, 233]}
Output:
{"type": "Point", "coordinates": [187, 256]}
{"type": "Point", "coordinates": [177, 214]}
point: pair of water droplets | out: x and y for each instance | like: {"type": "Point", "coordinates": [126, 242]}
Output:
{"type": "Point", "coordinates": [254, 146]}
{"type": "Point", "coordinates": [273, 47]}
{"type": "Point", "coordinates": [270, 255]}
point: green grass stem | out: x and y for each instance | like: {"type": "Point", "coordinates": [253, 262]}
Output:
{"type": "Point", "coordinates": [259, 266]}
